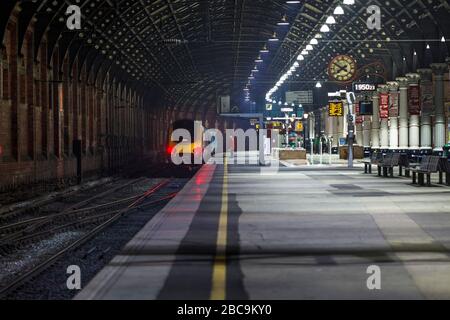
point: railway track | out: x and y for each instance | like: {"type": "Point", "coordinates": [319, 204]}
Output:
{"type": "Point", "coordinates": [93, 220]}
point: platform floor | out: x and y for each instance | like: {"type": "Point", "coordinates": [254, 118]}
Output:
{"type": "Point", "coordinates": [304, 233]}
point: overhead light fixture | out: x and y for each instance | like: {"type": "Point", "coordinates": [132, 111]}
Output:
{"type": "Point", "coordinates": [349, 2]}
{"type": "Point", "coordinates": [443, 39]}
{"type": "Point", "coordinates": [259, 60]}
{"type": "Point", "coordinates": [428, 46]}
{"type": "Point", "coordinates": [318, 85]}
{"type": "Point", "coordinates": [325, 28]}
{"type": "Point", "coordinates": [314, 41]}
{"type": "Point", "coordinates": [283, 21]}
{"type": "Point", "coordinates": [331, 20]}
{"type": "Point", "coordinates": [292, 2]}
{"type": "Point", "coordinates": [318, 36]}
{"type": "Point", "coordinates": [274, 37]}
{"type": "Point", "coordinates": [305, 52]}
{"type": "Point", "coordinates": [309, 47]}
{"type": "Point", "coordinates": [338, 10]}
{"type": "Point", "coordinates": [300, 57]}
{"type": "Point", "coordinates": [264, 49]}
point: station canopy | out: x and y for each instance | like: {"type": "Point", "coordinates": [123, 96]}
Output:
{"type": "Point", "coordinates": [191, 51]}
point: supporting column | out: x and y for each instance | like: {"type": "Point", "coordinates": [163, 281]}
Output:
{"type": "Point", "coordinates": [384, 128]}
{"type": "Point", "coordinates": [367, 127]}
{"type": "Point", "coordinates": [393, 114]}
{"type": "Point", "coordinates": [359, 133]}
{"type": "Point", "coordinates": [403, 113]}
{"type": "Point", "coordinates": [334, 122]}
{"type": "Point", "coordinates": [375, 132]}
{"type": "Point", "coordinates": [426, 81]}
{"type": "Point", "coordinates": [414, 120]}
{"type": "Point", "coordinates": [439, 124]}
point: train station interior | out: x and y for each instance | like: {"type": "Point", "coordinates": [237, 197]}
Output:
{"type": "Point", "coordinates": [224, 150]}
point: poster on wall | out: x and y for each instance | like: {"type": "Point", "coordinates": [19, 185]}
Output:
{"type": "Point", "coordinates": [394, 105]}
{"type": "Point", "coordinates": [414, 100]}
{"type": "Point", "coordinates": [427, 100]}
{"type": "Point", "coordinates": [384, 106]}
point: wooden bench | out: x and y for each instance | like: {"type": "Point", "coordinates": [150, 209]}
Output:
{"type": "Point", "coordinates": [429, 165]}
{"type": "Point", "coordinates": [387, 165]}
{"type": "Point", "coordinates": [374, 159]}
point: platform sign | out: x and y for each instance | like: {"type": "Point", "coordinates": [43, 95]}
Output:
{"type": "Point", "coordinates": [414, 100]}
{"type": "Point", "coordinates": [299, 126]}
{"type": "Point", "coordinates": [366, 108]}
{"type": "Point", "coordinates": [384, 106]}
{"type": "Point", "coordinates": [269, 107]}
{"type": "Point", "coordinates": [336, 109]}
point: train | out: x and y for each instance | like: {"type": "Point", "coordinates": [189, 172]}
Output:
{"type": "Point", "coordinates": [193, 148]}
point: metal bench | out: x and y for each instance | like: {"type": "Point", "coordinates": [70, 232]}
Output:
{"type": "Point", "coordinates": [374, 159]}
{"type": "Point", "coordinates": [444, 168]}
{"type": "Point", "coordinates": [388, 164]}
{"type": "Point", "coordinates": [429, 165]}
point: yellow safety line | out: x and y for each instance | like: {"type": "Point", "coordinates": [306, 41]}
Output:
{"type": "Point", "coordinates": [219, 275]}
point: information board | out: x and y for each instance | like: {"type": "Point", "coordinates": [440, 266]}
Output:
{"type": "Point", "coordinates": [300, 97]}
{"type": "Point", "coordinates": [336, 109]}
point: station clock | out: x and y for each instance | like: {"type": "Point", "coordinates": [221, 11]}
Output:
{"type": "Point", "coordinates": [342, 68]}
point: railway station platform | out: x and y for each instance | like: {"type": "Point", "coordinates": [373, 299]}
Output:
{"type": "Point", "coordinates": [303, 233]}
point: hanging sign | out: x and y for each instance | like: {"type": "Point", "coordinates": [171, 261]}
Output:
{"type": "Point", "coordinates": [269, 107]}
{"type": "Point", "coordinates": [394, 105]}
{"type": "Point", "coordinates": [336, 109]}
{"type": "Point", "coordinates": [426, 94]}
{"type": "Point", "coordinates": [384, 106]}
{"type": "Point", "coordinates": [414, 100]}
{"type": "Point", "coordinates": [366, 108]}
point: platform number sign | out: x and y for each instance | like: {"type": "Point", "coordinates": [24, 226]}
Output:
{"type": "Point", "coordinates": [336, 109]}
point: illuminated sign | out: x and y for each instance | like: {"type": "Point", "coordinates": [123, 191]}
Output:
{"type": "Point", "coordinates": [287, 110]}
{"type": "Point", "coordinates": [336, 109]}
{"type": "Point", "coordinates": [364, 87]}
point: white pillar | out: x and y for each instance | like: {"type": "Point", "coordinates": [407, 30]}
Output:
{"type": "Point", "coordinates": [393, 114]}
{"type": "Point", "coordinates": [414, 119]}
{"type": "Point", "coordinates": [367, 127]}
{"type": "Point", "coordinates": [375, 132]}
{"type": "Point", "coordinates": [403, 113]}
{"type": "Point", "coordinates": [384, 128]}
{"type": "Point", "coordinates": [359, 134]}
{"type": "Point", "coordinates": [426, 89]}
{"type": "Point", "coordinates": [439, 124]}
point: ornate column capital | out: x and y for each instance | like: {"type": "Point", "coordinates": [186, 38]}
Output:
{"type": "Point", "coordinates": [425, 74]}
{"type": "Point", "coordinates": [413, 78]}
{"type": "Point", "coordinates": [402, 82]}
{"type": "Point", "coordinates": [439, 68]}
{"type": "Point", "coordinates": [383, 88]}
{"type": "Point", "coordinates": [393, 86]}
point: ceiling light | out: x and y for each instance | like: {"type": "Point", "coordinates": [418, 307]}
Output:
{"type": "Point", "coordinates": [331, 20]}
{"type": "Point", "coordinates": [309, 47]}
{"type": "Point", "coordinates": [264, 49]}
{"type": "Point", "coordinates": [300, 57]}
{"type": "Point", "coordinates": [283, 21]}
{"type": "Point", "coordinates": [338, 10]}
{"type": "Point", "coordinates": [318, 85]}
{"type": "Point", "coordinates": [274, 37]}
{"type": "Point", "coordinates": [349, 2]}
{"type": "Point", "coordinates": [314, 41]}
{"type": "Point", "coordinates": [325, 28]}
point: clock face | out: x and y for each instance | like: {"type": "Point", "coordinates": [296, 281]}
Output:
{"type": "Point", "coordinates": [342, 68]}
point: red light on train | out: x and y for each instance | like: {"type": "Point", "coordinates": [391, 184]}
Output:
{"type": "Point", "coordinates": [170, 149]}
